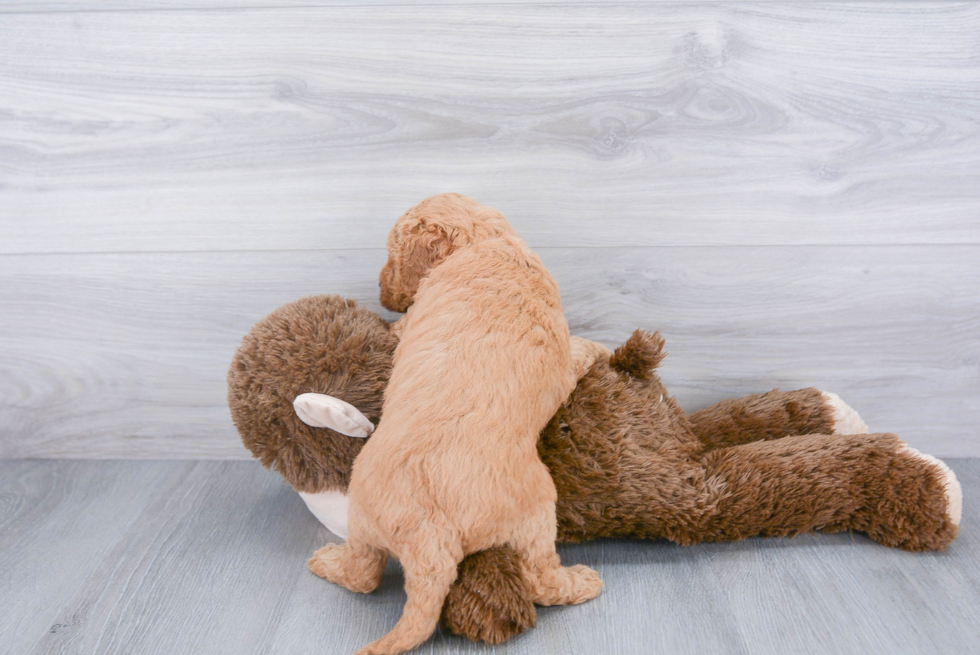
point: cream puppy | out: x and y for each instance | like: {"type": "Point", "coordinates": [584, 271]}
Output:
{"type": "Point", "coordinates": [483, 362]}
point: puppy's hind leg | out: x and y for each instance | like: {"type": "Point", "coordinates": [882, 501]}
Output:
{"type": "Point", "coordinates": [428, 576]}
{"type": "Point", "coordinates": [549, 581]}
{"type": "Point", "coordinates": [356, 566]}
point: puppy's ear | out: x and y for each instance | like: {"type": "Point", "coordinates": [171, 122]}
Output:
{"type": "Point", "coordinates": [422, 248]}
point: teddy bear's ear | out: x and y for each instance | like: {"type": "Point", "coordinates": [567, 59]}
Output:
{"type": "Point", "coordinates": [640, 355]}
{"type": "Point", "coordinates": [322, 411]}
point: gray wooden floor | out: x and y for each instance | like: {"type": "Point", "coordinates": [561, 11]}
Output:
{"type": "Point", "coordinates": [165, 557]}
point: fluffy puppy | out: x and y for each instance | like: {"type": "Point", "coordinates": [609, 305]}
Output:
{"type": "Point", "coordinates": [484, 361]}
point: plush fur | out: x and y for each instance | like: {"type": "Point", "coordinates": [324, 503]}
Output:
{"type": "Point", "coordinates": [456, 444]}
{"type": "Point", "coordinates": [647, 474]}
{"type": "Point", "coordinates": [625, 459]}
{"type": "Point", "coordinates": [490, 600]}
{"type": "Point", "coordinates": [322, 344]}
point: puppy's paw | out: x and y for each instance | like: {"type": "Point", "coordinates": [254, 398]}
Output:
{"type": "Point", "coordinates": [586, 583]}
{"type": "Point", "coordinates": [326, 562]}
{"type": "Point", "coordinates": [586, 353]}
{"type": "Point", "coordinates": [398, 327]}
{"type": "Point", "coordinates": [336, 563]}
{"type": "Point", "coordinates": [604, 354]}
{"type": "Point", "coordinates": [846, 420]}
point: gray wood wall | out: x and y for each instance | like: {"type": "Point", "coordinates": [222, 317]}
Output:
{"type": "Point", "coordinates": [789, 191]}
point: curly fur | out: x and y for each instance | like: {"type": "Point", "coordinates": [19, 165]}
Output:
{"type": "Point", "coordinates": [426, 235]}
{"type": "Point", "coordinates": [484, 360]}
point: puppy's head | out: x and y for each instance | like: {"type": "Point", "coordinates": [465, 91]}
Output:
{"type": "Point", "coordinates": [427, 234]}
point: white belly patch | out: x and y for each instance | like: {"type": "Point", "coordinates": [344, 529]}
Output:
{"type": "Point", "coordinates": [330, 508]}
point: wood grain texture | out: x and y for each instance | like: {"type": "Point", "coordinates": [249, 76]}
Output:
{"type": "Point", "coordinates": [134, 349]}
{"type": "Point", "coordinates": [126, 355]}
{"type": "Point", "coordinates": [170, 584]}
{"type": "Point", "coordinates": [633, 124]}
{"type": "Point", "coordinates": [210, 557]}
{"type": "Point", "coordinates": [48, 6]}
{"type": "Point", "coordinates": [59, 524]}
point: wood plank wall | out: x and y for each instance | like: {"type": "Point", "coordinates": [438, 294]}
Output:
{"type": "Point", "coordinates": [789, 191]}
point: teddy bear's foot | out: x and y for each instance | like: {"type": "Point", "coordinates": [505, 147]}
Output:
{"type": "Point", "coordinates": [954, 493]}
{"type": "Point", "coordinates": [490, 600]}
{"type": "Point", "coordinates": [846, 420]}
{"type": "Point", "coordinates": [916, 502]}
{"type": "Point", "coordinates": [359, 570]}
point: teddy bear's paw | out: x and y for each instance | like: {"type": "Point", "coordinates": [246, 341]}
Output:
{"type": "Point", "coordinates": [954, 493]}
{"type": "Point", "coordinates": [846, 420]}
{"type": "Point", "coordinates": [490, 600]}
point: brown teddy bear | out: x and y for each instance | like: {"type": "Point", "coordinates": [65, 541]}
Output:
{"type": "Point", "coordinates": [306, 385]}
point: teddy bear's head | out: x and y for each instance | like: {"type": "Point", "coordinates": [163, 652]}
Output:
{"type": "Point", "coordinates": [317, 345]}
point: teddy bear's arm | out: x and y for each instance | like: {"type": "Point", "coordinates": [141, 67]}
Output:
{"type": "Point", "coordinates": [773, 415]}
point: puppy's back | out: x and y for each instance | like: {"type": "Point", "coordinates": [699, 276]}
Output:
{"type": "Point", "coordinates": [476, 377]}
{"type": "Point", "coordinates": [486, 338]}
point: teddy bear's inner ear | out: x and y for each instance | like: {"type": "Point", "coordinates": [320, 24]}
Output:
{"type": "Point", "coordinates": [322, 411]}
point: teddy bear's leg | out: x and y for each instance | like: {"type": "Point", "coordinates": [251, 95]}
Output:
{"type": "Point", "coordinates": [490, 600]}
{"type": "Point", "coordinates": [356, 567]}
{"type": "Point", "coordinates": [846, 419]}
{"type": "Point", "coordinates": [773, 415]}
{"type": "Point", "coordinates": [872, 483]}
